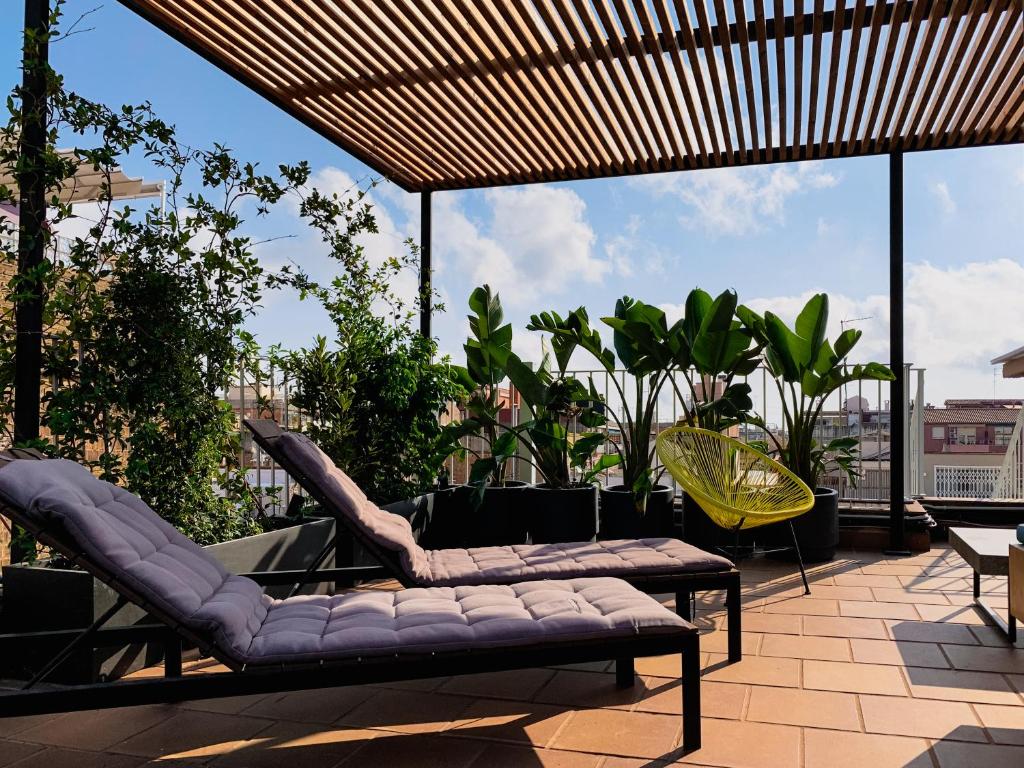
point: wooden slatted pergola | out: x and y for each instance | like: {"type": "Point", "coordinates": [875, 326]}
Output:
{"type": "Point", "coordinates": [442, 94]}
{"type": "Point", "coordinates": [458, 94]}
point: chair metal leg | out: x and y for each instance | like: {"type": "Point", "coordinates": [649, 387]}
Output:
{"type": "Point", "coordinates": [799, 559]}
{"type": "Point", "coordinates": [683, 598]}
{"type": "Point", "coordinates": [734, 616]}
{"type": "Point", "coordinates": [691, 694]}
{"type": "Point", "coordinates": [172, 656]}
{"type": "Point", "coordinates": [625, 673]}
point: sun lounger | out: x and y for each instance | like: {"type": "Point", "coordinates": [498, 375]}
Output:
{"type": "Point", "coordinates": [320, 640]}
{"type": "Point", "coordinates": [654, 566]}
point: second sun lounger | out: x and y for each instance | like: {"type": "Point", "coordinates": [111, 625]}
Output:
{"type": "Point", "coordinates": [654, 566]}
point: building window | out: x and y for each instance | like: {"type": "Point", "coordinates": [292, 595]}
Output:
{"type": "Point", "coordinates": [963, 436]}
{"type": "Point", "coordinates": [938, 433]}
{"type": "Point", "coordinates": [1003, 433]}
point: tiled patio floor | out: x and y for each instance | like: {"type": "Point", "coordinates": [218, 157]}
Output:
{"type": "Point", "coordinates": [885, 664]}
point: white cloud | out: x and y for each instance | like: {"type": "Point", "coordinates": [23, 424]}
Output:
{"type": "Point", "coordinates": [535, 241]}
{"type": "Point", "coordinates": [737, 201]}
{"type": "Point", "coordinates": [823, 227]}
{"type": "Point", "coordinates": [940, 190]}
{"type": "Point", "coordinates": [956, 320]}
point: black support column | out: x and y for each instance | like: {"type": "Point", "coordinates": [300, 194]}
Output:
{"type": "Point", "coordinates": [426, 288]}
{"type": "Point", "coordinates": [28, 313]}
{"type": "Point", "coordinates": [897, 392]}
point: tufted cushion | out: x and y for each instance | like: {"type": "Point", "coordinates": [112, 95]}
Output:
{"type": "Point", "coordinates": [522, 562]}
{"type": "Point", "coordinates": [122, 535]}
{"type": "Point", "coordinates": [386, 529]}
{"type": "Point", "coordinates": [376, 622]}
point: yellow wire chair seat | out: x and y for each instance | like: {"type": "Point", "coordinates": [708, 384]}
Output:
{"type": "Point", "coordinates": [737, 486]}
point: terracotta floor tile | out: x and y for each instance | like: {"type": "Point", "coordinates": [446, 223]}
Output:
{"type": "Point", "coordinates": [630, 762]}
{"type": "Point", "coordinates": [58, 757]}
{"type": "Point", "coordinates": [505, 756]}
{"type": "Point", "coordinates": [951, 614]}
{"type": "Point", "coordinates": [956, 685]}
{"type": "Point", "coordinates": [930, 632]}
{"type": "Point", "coordinates": [887, 569]}
{"type": "Point", "coordinates": [519, 684]}
{"type": "Point", "coordinates": [320, 706]}
{"type": "Point", "coordinates": [754, 670]}
{"type": "Point", "coordinates": [718, 642]}
{"type": "Point", "coordinates": [721, 700]}
{"type": "Point", "coordinates": [415, 751]}
{"type": "Point", "coordinates": [746, 745]}
{"type": "Point", "coordinates": [10, 726]}
{"type": "Point", "coordinates": [776, 623]}
{"type": "Point", "coordinates": [900, 653]}
{"type": "Point", "coordinates": [296, 745]}
{"type": "Point", "coordinates": [804, 606]}
{"type": "Point", "coordinates": [522, 722]}
{"type": "Point", "coordinates": [844, 626]}
{"type": "Point", "coordinates": [920, 717]}
{"type": "Point", "coordinates": [407, 711]}
{"type": "Point", "coordinates": [922, 597]}
{"type": "Point", "coordinates": [867, 580]}
{"type": "Point", "coordinates": [97, 730]}
{"type": "Point", "coordinates": [13, 751]}
{"type": "Point", "coordinates": [806, 647]}
{"type": "Point", "coordinates": [985, 659]}
{"type": "Point", "coordinates": [853, 678]}
{"type": "Point", "coordinates": [613, 732]}
{"type": "Point", "coordinates": [817, 709]}
{"type": "Point", "coordinates": [841, 592]}
{"type": "Point", "coordinates": [1005, 724]}
{"type": "Point", "coordinates": [939, 583]}
{"type": "Point", "coordinates": [193, 735]}
{"type": "Point", "coordinates": [426, 684]}
{"type": "Point", "coordinates": [871, 610]}
{"type": "Point", "coordinates": [959, 755]}
{"type": "Point", "coordinates": [234, 705]}
{"type": "Point", "coordinates": [660, 666]}
{"type": "Point", "coordinates": [592, 689]}
{"type": "Point", "coordinates": [841, 749]}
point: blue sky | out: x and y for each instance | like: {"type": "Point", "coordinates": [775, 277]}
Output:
{"type": "Point", "coordinates": [774, 234]}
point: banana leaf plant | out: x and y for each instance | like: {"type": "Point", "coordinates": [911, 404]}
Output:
{"type": "Point", "coordinates": [706, 345]}
{"type": "Point", "coordinates": [807, 369]}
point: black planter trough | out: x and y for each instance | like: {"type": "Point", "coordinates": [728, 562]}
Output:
{"type": "Point", "coordinates": [620, 518]}
{"type": "Point", "coordinates": [455, 521]}
{"type": "Point", "coordinates": [560, 515]}
{"type": "Point", "coordinates": [817, 531]}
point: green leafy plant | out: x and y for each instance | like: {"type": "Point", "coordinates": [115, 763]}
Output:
{"type": "Point", "coordinates": [807, 369]}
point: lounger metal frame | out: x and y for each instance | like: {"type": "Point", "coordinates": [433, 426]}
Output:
{"type": "Point", "coordinates": [241, 680]}
{"type": "Point", "coordinates": [684, 585]}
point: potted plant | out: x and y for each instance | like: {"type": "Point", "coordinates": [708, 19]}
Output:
{"type": "Point", "coordinates": [807, 369]}
{"type": "Point", "coordinates": [707, 345]}
{"type": "Point", "coordinates": [490, 510]}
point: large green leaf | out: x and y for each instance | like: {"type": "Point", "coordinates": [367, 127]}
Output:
{"type": "Point", "coordinates": [811, 325]}
{"type": "Point", "coordinates": [788, 351]}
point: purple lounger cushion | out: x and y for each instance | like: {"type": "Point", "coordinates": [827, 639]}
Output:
{"type": "Point", "coordinates": [491, 565]}
{"type": "Point", "coordinates": [125, 538]}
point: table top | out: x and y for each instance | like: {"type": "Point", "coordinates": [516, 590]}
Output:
{"type": "Point", "coordinates": [986, 550]}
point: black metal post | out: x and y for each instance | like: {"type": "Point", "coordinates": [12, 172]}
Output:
{"type": "Point", "coordinates": [425, 284]}
{"type": "Point", "coordinates": [897, 392]}
{"type": "Point", "coordinates": [28, 313]}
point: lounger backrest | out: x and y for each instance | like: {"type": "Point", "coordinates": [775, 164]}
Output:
{"type": "Point", "coordinates": [121, 536]}
{"type": "Point", "coordinates": [387, 530]}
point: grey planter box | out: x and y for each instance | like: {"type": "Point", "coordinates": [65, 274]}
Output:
{"type": "Point", "coordinates": [37, 599]}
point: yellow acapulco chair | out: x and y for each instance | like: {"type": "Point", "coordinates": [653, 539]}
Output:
{"type": "Point", "coordinates": [737, 486]}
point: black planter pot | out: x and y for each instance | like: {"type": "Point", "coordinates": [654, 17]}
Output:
{"type": "Point", "coordinates": [817, 531]}
{"type": "Point", "coordinates": [500, 519]}
{"type": "Point", "coordinates": [621, 520]}
{"type": "Point", "coordinates": [561, 514]}
{"type": "Point", "coordinates": [702, 532]}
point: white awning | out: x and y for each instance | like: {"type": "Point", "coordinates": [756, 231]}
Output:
{"type": "Point", "coordinates": [87, 184]}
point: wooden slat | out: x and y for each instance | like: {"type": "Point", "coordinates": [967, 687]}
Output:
{"type": "Point", "coordinates": [698, 70]}
{"type": "Point", "coordinates": [812, 102]}
{"type": "Point", "coordinates": [833, 77]}
{"type": "Point", "coordinates": [895, 84]}
{"type": "Point", "coordinates": [743, 38]}
{"type": "Point", "coordinates": [851, 72]}
{"type": "Point", "coordinates": [706, 42]}
{"type": "Point", "coordinates": [798, 82]}
{"type": "Point", "coordinates": [864, 84]}
{"type": "Point", "coordinates": [881, 83]}
{"type": "Point", "coordinates": [730, 73]}
{"type": "Point", "coordinates": [766, 86]}
{"type": "Point", "coordinates": [1007, 73]}
{"type": "Point", "coordinates": [679, 66]}
{"type": "Point", "coordinates": [780, 77]}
